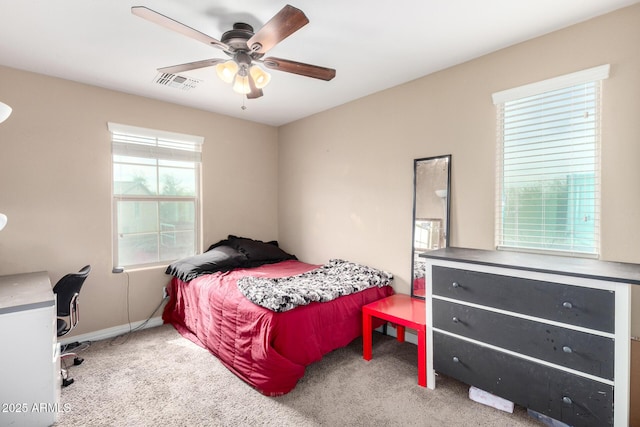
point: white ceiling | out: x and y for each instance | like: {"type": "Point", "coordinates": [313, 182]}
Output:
{"type": "Point", "coordinates": [373, 44]}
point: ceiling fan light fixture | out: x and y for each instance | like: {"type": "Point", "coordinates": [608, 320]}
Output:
{"type": "Point", "coordinates": [244, 47]}
{"type": "Point", "coordinates": [227, 70]}
{"type": "Point", "coordinates": [260, 77]}
{"type": "Point", "coordinates": [241, 85]}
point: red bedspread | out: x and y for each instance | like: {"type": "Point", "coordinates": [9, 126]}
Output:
{"type": "Point", "coordinates": [268, 350]}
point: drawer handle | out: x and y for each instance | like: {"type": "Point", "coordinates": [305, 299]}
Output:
{"type": "Point", "coordinates": [456, 360]}
{"type": "Point", "coordinates": [567, 400]}
{"type": "Point", "coordinates": [455, 320]}
{"type": "Point", "coordinates": [456, 285]}
{"type": "Point", "coordinates": [567, 304]}
{"type": "Point", "coordinates": [567, 349]}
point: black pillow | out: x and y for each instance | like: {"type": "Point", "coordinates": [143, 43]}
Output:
{"type": "Point", "coordinates": [224, 242]}
{"type": "Point", "coordinates": [220, 258]}
{"type": "Point", "coordinates": [259, 252]}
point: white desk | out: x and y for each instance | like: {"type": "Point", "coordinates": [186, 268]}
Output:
{"type": "Point", "coordinates": [29, 358]}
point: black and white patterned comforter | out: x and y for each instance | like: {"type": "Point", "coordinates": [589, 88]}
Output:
{"type": "Point", "coordinates": [332, 280]}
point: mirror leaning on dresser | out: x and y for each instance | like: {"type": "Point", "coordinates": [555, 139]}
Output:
{"type": "Point", "coordinates": [431, 203]}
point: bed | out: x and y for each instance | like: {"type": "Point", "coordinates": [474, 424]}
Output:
{"type": "Point", "coordinates": [268, 348]}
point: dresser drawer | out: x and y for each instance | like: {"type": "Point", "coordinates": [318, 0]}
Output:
{"type": "Point", "coordinates": [586, 307]}
{"type": "Point", "coordinates": [569, 398]}
{"type": "Point", "coordinates": [577, 350]}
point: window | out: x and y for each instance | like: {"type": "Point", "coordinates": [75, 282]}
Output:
{"type": "Point", "coordinates": [548, 165]}
{"type": "Point", "coordinates": [156, 195]}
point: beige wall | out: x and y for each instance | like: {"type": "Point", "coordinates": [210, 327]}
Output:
{"type": "Point", "coordinates": [346, 174]}
{"type": "Point", "coordinates": [55, 172]}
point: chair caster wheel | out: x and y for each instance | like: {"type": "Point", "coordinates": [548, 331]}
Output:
{"type": "Point", "coordinates": [67, 382]}
{"type": "Point", "coordinates": [77, 361]}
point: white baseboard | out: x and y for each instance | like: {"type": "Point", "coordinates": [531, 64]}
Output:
{"type": "Point", "coordinates": [112, 332]}
{"type": "Point", "coordinates": [409, 335]}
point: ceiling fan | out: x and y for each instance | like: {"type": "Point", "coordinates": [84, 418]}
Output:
{"type": "Point", "coordinates": [246, 49]}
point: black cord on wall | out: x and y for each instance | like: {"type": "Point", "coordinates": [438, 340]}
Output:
{"type": "Point", "coordinates": [126, 335]}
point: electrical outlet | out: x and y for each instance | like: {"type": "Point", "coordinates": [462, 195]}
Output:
{"type": "Point", "coordinates": [165, 294]}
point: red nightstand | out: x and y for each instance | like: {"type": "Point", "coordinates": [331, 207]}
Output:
{"type": "Point", "coordinates": [403, 311]}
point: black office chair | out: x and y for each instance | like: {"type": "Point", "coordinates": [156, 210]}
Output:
{"type": "Point", "coordinates": [67, 291]}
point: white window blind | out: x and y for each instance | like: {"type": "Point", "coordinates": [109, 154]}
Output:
{"type": "Point", "coordinates": [548, 165]}
{"type": "Point", "coordinates": [150, 143]}
{"type": "Point", "coordinates": [156, 195]}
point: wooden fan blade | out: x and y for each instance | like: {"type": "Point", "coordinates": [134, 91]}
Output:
{"type": "Point", "coordinates": [191, 65]}
{"type": "Point", "coordinates": [300, 68]}
{"type": "Point", "coordinates": [173, 25]}
{"type": "Point", "coordinates": [255, 92]}
{"type": "Point", "coordinates": [282, 25]}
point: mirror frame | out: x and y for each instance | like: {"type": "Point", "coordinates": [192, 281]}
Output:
{"type": "Point", "coordinates": [416, 163]}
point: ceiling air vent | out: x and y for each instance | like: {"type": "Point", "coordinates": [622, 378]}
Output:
{"type": "Point", "coordinates": [179, 82]}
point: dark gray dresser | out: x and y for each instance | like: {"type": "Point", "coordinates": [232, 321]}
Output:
{"type": "Point", "coordinates": [549, 333]}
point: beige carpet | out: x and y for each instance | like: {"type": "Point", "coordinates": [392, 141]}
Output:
{"type": "Point", "coordinates": [157, 378]}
